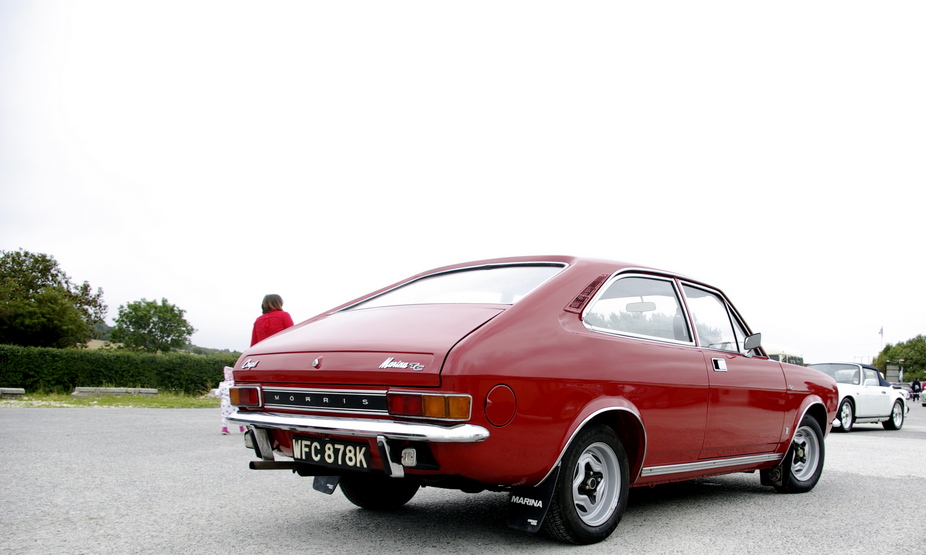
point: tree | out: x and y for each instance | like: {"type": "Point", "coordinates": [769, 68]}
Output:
{"type": "Point", "coordinates": [41, 307]}
{"type": "Point", "coordinates": [913, 353]}
{"type": "Point", "coordinates": [148, 326]}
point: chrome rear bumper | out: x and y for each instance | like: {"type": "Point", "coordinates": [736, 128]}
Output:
{"type": "Point", "coordinates": [361, 427]}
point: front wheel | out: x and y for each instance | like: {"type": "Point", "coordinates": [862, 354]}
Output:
{"type": "Point", "coordinates": [591, 490]}
{"type": "Point", "coordinates": [846, 414]}
{"type": "Point", "coordinates": [897, 416]}
{"type": "Point", "coordinates": [378, 492]}
{"type": "Point", "coordinates": [803, 463]}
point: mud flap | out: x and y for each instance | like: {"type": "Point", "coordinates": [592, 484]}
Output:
{"type": "Point", "coordinates": [325, 484]}
{"type": "Point", "coordinates": [528, 506]}
{"type": "Point", "coordinates": [775, 476]}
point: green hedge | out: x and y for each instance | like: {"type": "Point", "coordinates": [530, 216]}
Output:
{"type": "Point", "coordinates": [61, 370]}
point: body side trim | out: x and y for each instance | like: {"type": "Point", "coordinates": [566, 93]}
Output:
{"type": "Point", "coordinates": [708, 465]}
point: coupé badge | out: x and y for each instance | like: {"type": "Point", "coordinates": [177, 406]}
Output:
{"type": "Point", "coordinates": [391, 362]}
{"type": "Point", "coordinates": [248, 364]}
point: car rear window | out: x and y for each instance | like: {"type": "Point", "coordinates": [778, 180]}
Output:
{"type": "Point", "coordinates": [495, 284]}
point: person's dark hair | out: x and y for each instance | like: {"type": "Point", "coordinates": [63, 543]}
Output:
{"type": "Point", "coordinates": [271, 303]}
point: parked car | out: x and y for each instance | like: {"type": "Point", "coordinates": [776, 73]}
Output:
{"type": "Point", "coordinates": [563, 381]}
{"type": "Point", "coordinates": [864, 396]}
{"type": "Point", "coordinates": [904, 389]}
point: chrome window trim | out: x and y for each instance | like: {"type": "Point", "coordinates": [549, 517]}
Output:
{"type": "Point", "coordinates": [642, 273]}
{"type": "Point", "coordinates": [732, 314]}
{"type": "Point", "coordinates": [605, 331]}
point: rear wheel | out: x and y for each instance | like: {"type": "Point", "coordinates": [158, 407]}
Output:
{"type": "Point", "coordinates": [846, 414]}
{"type": "Point", "coordinates": [803, 463]}
{"type": "Point", "coordinates": [378, 492]}
{"type": "Point", "coordinates": [897, 416]}
{"type": "Point", "coordinates": [591, 490]}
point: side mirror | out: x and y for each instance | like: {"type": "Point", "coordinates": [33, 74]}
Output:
{"type": "Point", "coordinates": [752, 342]}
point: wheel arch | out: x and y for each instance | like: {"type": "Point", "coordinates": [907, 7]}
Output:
{"type": "Point", "coordinates": [815, 408]}
{"type": "Point", "coordinates": [630, 431]}
{"type": "Point", "coordinates": [625, 420]}
{"type": "Point", "coordinates": [850, 399]}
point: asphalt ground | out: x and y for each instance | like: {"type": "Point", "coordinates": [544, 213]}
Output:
{"type": "Point", "coordinates": [94, 480]}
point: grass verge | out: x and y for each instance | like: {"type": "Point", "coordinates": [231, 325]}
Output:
{"type": "Point", "coordinates": [159, 401]}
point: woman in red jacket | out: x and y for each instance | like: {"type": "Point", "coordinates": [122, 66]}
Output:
{"type": "Point", "coordinates": [273, 319]}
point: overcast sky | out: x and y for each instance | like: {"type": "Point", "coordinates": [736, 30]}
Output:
{"type": "Point", "coordinates": [212, 152]}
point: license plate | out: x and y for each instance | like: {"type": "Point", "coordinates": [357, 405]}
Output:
{"type": "Point", "coordinates": [329, 452]}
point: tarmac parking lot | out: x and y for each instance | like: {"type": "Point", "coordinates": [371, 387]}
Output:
{"type": "Point", "coordinates": [95, 480]}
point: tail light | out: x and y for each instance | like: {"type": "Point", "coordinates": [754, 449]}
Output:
{"type": "Point", "coordinates": [430, 405]}
{"type": "Point", "coordinates": [244, 396]}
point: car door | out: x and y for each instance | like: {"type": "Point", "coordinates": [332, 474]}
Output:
{"type": "Point", "coordinates": [873, 398]}
{"type": "Point", "coordinates": [641, 320]}
{"type": "Point", "coordinates": [747, 396]}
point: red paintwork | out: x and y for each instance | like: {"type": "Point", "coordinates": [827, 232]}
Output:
{"type": "Point", "coordinates": [349, 343]}
{"type": "Point", "coordinates": [663, 399]}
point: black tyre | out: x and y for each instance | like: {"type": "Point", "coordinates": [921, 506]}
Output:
{"type": "Point", "coordinates": [591, 490]}
{"type": "Point", "coordinates": [378, 492]}
{"type": "Point", "coordinates": [803, 463]}
{"type": "Point", "coordinates": [897, 417]}
{"type": "Point", "coordinates": [846, 415]}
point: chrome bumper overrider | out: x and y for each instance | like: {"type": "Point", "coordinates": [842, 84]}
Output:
{"type": "Point", "coordinates": [361, 427]}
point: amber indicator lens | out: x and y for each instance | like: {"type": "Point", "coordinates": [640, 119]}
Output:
{"type": "Point", "coordinates": [443, 407]}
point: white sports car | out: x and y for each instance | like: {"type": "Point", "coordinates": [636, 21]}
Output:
{"type": "Point", "coordinates": [864, 396]}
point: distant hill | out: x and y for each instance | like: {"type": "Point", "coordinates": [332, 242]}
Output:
{"type": "Point", "coordinates": [101, 339]}
{"type": "Point", "coordinates": [101, 331]}
{"type": "Point", "coordinates": [100, 344]}
{"type": "Point", "coordinates": [191, 349]}
{"type": "Point", "coordinates": [206, 351]}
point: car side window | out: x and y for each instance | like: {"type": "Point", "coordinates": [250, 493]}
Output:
{"type": "Point", "coordinates": [871, 375]}
{"type": "Point", "coordinates": [641, 306]}
{"type": "Point", "coordinates": [712, 320]}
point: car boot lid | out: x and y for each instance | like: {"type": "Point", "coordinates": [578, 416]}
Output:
{"type": "Point", "coordinates": [400, 345]}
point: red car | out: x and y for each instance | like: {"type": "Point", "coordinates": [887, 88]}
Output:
{"type": "Point", "coordinates": [564, 381]}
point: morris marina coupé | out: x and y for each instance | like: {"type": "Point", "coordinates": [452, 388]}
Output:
{"type": "Point", "coordinates": [563, 381]}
